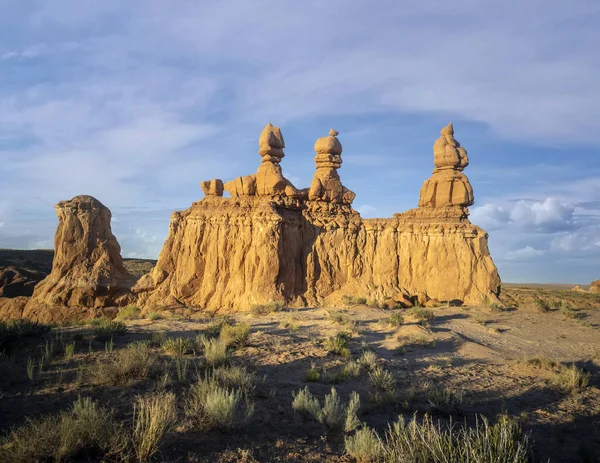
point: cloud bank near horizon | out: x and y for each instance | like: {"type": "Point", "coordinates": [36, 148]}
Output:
{"type": "Point", "coordinates": [136, 102]}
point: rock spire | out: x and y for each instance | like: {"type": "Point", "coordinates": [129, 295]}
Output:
{"type": "Point", "coordinates": [448, 186]}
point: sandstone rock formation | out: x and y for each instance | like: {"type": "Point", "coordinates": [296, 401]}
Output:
{"type": "Point", "coordinates": [595, 287]}
{"type": "Point", "coordinates": [269, 179]}
{"type": "Point", "coordinates": [448, 186]}
{"type": "Point", "coordinates": [87, 271]}
{"type": "Point", "coordinates": [15, 282]}
{"type": "Point", "coordinates": [271, 242]}
{"type": "Point", "coordinates": [326, 184]}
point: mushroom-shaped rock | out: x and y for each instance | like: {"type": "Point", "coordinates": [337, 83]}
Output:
{"type": "Point", "coordinates": [448, 186]}
{"type": "Point", "coordinates": [326, 184]}
{"type": "Point", "coordinates": [87, 270]}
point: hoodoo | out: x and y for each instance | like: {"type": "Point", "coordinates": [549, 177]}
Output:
{"type": "Point", "coordinates": [87, 271]}
{"type": "Point", "coordinates": [272, 242]}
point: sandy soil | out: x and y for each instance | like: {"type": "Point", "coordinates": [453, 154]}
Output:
{"type": "Point", "coordinates": [480, 352]}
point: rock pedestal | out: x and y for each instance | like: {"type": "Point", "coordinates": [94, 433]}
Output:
{"type": "Point", "coordinates": [595, 287]}
{"type": "Point", "coordinates": [87, 271]}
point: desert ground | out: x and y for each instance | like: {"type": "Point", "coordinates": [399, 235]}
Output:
{"type": "Point", "coordinates": [534, 359]}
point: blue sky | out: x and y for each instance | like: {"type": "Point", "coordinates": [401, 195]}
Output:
{"type": "Point", "coordinates": [135, 102]}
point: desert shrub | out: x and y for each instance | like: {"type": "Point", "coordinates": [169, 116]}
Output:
{"type": "Point", "coordinates": [382, 379]}
{"type": "Point", "coordinates": [178, 346]}
{"type": "Point", "coordinates": [396, 319]}
{"type": "Point", "coordinates": [210, 405]}
{"type": "Point", "coordinates": [236, 335]}
{"type": "Point", "coordinates": [338, 344]}
{"type": "Point", "coordinates": [351, 421]}
{"type": "Point", "coordinates": [154, 315]}
{"type": "Point", "coordinates": [338, 316]}
{"type": "Point", "coordinates": [70, 350]}
{"type": "Point", "coordinates": [154, 416]}
{"type": "Point", "coordinates": [423, 316]}
{"type": "Point", "coordinates": [444, 400]}
{"type": "Point", "coordinates": [265, 309]}
{"type": "Point", "coordinates": [353, 368]}
{"type": "Point", "coordinates": [503, 441]}
{"type": "Point", "coordinates": [542, 306]}
{"type": "Point", "coordinates": [335, 377]}
{"type": "Point", "coordinates": [215, 352]}
{"type": "Point", "coordinates": [134, 362]}
{"type": "Point", "coordinates": [571, 377]}
{"type": "Point", "coordinates": [235, 377]}
{"type": "Point", "coordinates": [216, 325]}
{"type": "Point", "coordinates": [353, 300]}
{"type": "Point", "coordinates": [14, 330]}
{"type": "Point", "coordinates": [368, 360]}
{"type": "Point", "coordinates": [567, 312]}
{"type": "Point", "coordinates": [86, 429]}
{"type": "Point", "coordinates": [376, 304]}
{"type": "Point", "coordinates": [305, 404]}
{"type": "Point", "coordinates": [542, 362]}
{"type": "Point", "coordinates": [106, 329]}
{"type": "Point", "coordinates": [131, 312]}
{"type": "Point", "coordinates": [312, 374]}
{"type": "Point", "coordinates": [364, 446]}
{"type": "Point", "coordinates": [226, 409]}
{"type": "Point", "coordinates": [336, 415]}
{"type": "Point", "coordinates": [157, 338]}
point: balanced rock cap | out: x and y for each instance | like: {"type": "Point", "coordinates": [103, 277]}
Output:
{"type": "Point", "coordinates": [329, 145]}
{"type": "Point", "coordinates": [271, 142]}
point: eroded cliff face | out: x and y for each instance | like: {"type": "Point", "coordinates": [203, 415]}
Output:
{"type": "Point", "coordinates": [87, 270]}
{"type": "Point", "coordinates": [227, 254]}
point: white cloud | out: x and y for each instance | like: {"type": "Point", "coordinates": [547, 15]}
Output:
{"type": "Point", "coordinates": [526, 253]}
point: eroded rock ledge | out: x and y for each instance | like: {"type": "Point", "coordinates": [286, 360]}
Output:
{"type": "Point", "coordinates": [274, 242]}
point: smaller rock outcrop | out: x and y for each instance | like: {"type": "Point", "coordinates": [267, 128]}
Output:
{"type": "Point", "coordinates": [326, 184]}
{"type": "Point", "coordinates": [269, 179]}
{"type": "Point", "coordinates": [87, 270]}
{"type": "Point", "coordinates": [448, 186]}
{"type": "Point", "coordinates": [15, 282]}
{"type": "Point", "coordinates": [595, 287]}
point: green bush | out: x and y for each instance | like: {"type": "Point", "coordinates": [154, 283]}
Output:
{"type": "Point", "coordinates": [134, 362]}
{"type": "Point", "coordinates": [216, 325]}
{"type": "Point", "coordinates": [353, 300]}
{"type": "Point", "coordinates": [265, 309]}
{"type": "Point", "coordinates": [85, 430]}
{"type": "Point", "coordinates": [154, 315]}
{"type": "Point", "coordinates": [396, 320]}
{"type": "Point", "coordinates": [338, 344]}
{"type": "Point", "coordinates": [312, 374]}
{"type": "Point", "coordinates": [236, 335]}
{"type": "Point", "coordinates": [368, 360]}
{"type": "Point", "coordinates": [444, 400]}
{"type": "Point", "coordinates": [215, 352]}
{"type": "Point", "coordinates": [235, 377]}
{"type": "Point", "coordinates": [105, 329]}
{"type": "Point", "coordinates": [178, 346]}
{"type": "Point", "coordinates": [131, 312]}
{"type": "Point", "coordinates": [13, 331]}
{"type": "Point", "coordinates": [423, 316]}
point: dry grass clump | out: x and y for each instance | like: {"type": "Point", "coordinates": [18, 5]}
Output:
{"type": "Point", "coordinates": [334, 414]}
{"type": "Point", "coordinates": [85, 430]}
{"type": "Point", "coordinates": [338, 344]}
{"type": "Point", "coordinates": [571, 378]}
{"type": "Point", "coordinates": [134, 362]}
{"type": "Point", "coordinates": [542, 306]}
{"type": "Point", "coordinates": [364, 446]}
{"type": "Point", "coordinates": [265, 309]}
{"type": "Point", "coordinates": [354, 300]}
{"type": "Point", "coordinates": [422, 315]}
{"type": "Point", "coordinates": [235, 335]}
{"type": "Point", "coordinates": [105, 329]}
{"type": "Point", "coordinates": [444, 400]}
{"type": "Point", "coordinates": [216, 325]}
{"type": "Point", "coordinates": [216, 352]}
{"type": "Point", "coordinates": [178, 346]}
{"type": "Point", "coordinates": [210, 405]}
{"type": "Point", "coordinates": [14, 330]}
{"type": "Point", "coordinates": [131, 312]}
{"type": "Point", "coordinates": [503, 441]}
{"type": "Point", "coordinates": [567, 312]}
{"type": "Point", "coordinates": [338, 316]}
{"type": "Point", "coordinates": [368, 360]}
{"type": "Point", "coordinates": [235, 377]}
{"type": "Point", "coordinates": [312, 374]}
{"type": "Point", "coordinates": [353, 368]}
{"type": "Point", "coordinates": [154, 315]}
{"type": "Point", "coordinates": [154, 416]}
{"type": "Point", "coordinates": [396, 320]}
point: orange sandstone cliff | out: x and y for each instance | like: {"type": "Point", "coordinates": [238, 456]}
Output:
{"type": "Point", "coordinates": [271, 241]}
